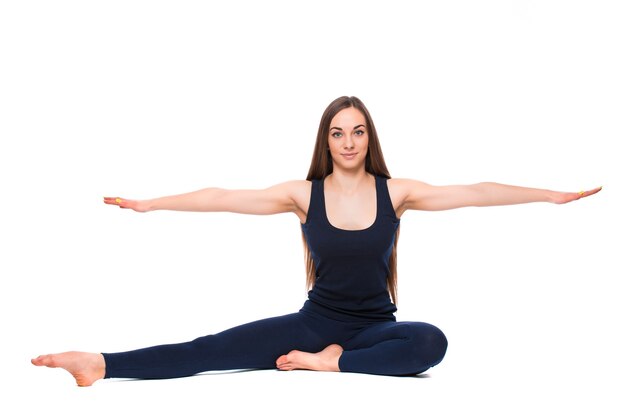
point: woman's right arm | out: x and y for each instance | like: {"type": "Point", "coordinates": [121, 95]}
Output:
{"type": "Point", "coordinates": [291, 196]}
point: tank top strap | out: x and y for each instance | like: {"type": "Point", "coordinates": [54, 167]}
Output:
{"type": "Point", "coordinates": [316, 210]}
{"type": "Point", "coordinates": [383, 199]}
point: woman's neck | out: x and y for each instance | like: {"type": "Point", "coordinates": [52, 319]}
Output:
{"type": "Point", "coordinates": [349, 182]}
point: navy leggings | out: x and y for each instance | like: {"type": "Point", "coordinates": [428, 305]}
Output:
{"type": "Point", "coordinates": [383, 348]}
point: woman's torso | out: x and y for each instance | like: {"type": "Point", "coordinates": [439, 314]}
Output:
{"type": "Point", "coordinates": [352, 264]}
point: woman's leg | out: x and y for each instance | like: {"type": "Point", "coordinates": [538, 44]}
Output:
{"type": "Point", "coordinates": [402, 348]}
{"type": "Point", "coordinates": [255, 345]}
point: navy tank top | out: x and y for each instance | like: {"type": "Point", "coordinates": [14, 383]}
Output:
{"type": "Point", "coordinates": [351, 266]}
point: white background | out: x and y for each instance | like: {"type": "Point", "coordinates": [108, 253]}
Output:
{"type": "Point", "coordinates": [148, 98]}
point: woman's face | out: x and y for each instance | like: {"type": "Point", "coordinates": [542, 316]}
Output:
{"type": "Point", "coordinates": [348, 139]}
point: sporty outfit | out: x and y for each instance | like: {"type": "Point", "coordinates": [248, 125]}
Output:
{"type": "Point", "coordinates": [349, 305]}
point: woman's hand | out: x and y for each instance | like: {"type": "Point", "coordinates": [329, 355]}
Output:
{"type": "Point", "coordinates": [562, 198]}
{"type": "Point", "coordinates": [137, 205]}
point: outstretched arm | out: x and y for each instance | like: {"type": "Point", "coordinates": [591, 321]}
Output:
{"type": "Point", "coordinates": [281, 198]}
{"type": "Point", "coordinates": [416, 195]}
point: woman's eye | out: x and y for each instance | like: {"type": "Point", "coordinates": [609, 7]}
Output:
{"type": "Point", "coordinates": [360, 132]}
{"type": "Point", "coordinates": [334, 134]}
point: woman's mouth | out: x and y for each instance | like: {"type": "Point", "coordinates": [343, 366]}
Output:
{"type": "Point", "coordinates": [349, 155]}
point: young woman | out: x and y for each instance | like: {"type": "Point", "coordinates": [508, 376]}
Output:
{"type": "Point", "coordinates": [349, 209]}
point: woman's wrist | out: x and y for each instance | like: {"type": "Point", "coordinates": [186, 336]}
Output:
{"type": "Point", "coordinates": [552, 196]}
{"type": "Point", "coordinates": [559, 197]}
{"type": "Point", "coordinates": [147, 205]}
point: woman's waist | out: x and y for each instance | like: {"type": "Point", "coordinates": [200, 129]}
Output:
{"type": "Point", "coordinates": [346, 311]}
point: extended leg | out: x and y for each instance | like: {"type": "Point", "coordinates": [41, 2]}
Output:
{"type": "Point", "coordinates": [254, 345]}
{"type": "Point", "coordinates": [403, 348]}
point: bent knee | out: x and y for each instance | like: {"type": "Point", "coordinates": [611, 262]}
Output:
{"type": "Point", "coordinates": [429, 343]}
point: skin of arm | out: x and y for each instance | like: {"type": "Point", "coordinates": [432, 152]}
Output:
{"type": "Point", "coordinates": [417, 195]}
{"type": "Point", "coordinates": [292, 196]}
{"type": "Point", "coordinates": [281, 198]}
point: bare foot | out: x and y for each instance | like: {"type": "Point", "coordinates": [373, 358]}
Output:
{"type": "Point", "coordinates": [86, 368]}
{"type": "Point", "coordinates": [326, 360]}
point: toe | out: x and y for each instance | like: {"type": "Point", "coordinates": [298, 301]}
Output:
{"type": "Point", "coordinates": [41, 360]}
{"type": "Point", "coordinates": [281, 360]}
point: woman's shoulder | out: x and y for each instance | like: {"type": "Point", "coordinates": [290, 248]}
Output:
{"type": "Point", "coordinates": [402, 189]}
{"type": "Point", "coordinates": [299, 192]}
{"type": "Point", "coordinates": [296, 184]}
{"type": "Point", "coordinates": [399, 184]}
{"type": "Point", "coordinates": [403, 183]}
{"type": "Point", "coordinates": [298, 189]}
{"type": "Point", "coordinates": [292, 187]}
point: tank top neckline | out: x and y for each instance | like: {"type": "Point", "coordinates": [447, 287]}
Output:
{"type": "Point", "coordinates": [351, 266]}
{"type": "Point", "coordinates": [325, 213]}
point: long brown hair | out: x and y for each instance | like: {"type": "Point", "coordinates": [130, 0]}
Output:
{"type": "Point", "coordinates": [322, 166]}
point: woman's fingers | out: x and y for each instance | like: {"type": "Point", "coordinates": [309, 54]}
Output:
{"type": "Point", "coordinates": [136, 205]}
{"type": "Point", "coordinates": [583, 194]}
{"type": "Point", "coordinates": [117, 201]}
{"type": "Point", "coordinates": [569, 197]}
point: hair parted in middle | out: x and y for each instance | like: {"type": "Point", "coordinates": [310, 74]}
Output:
{"type": "Point", "coordinates": [322, 164]}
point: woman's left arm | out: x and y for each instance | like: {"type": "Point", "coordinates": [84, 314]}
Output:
{"type": "Point", "coordinates": [416, 195]}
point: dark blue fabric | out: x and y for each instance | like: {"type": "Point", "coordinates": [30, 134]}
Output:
{"type": "Point", "coordinates": [351, 265]}
{"type": "Point", "coordinates": [384, 348]}
{"type": "Point", "coordinates": [349, 305]}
